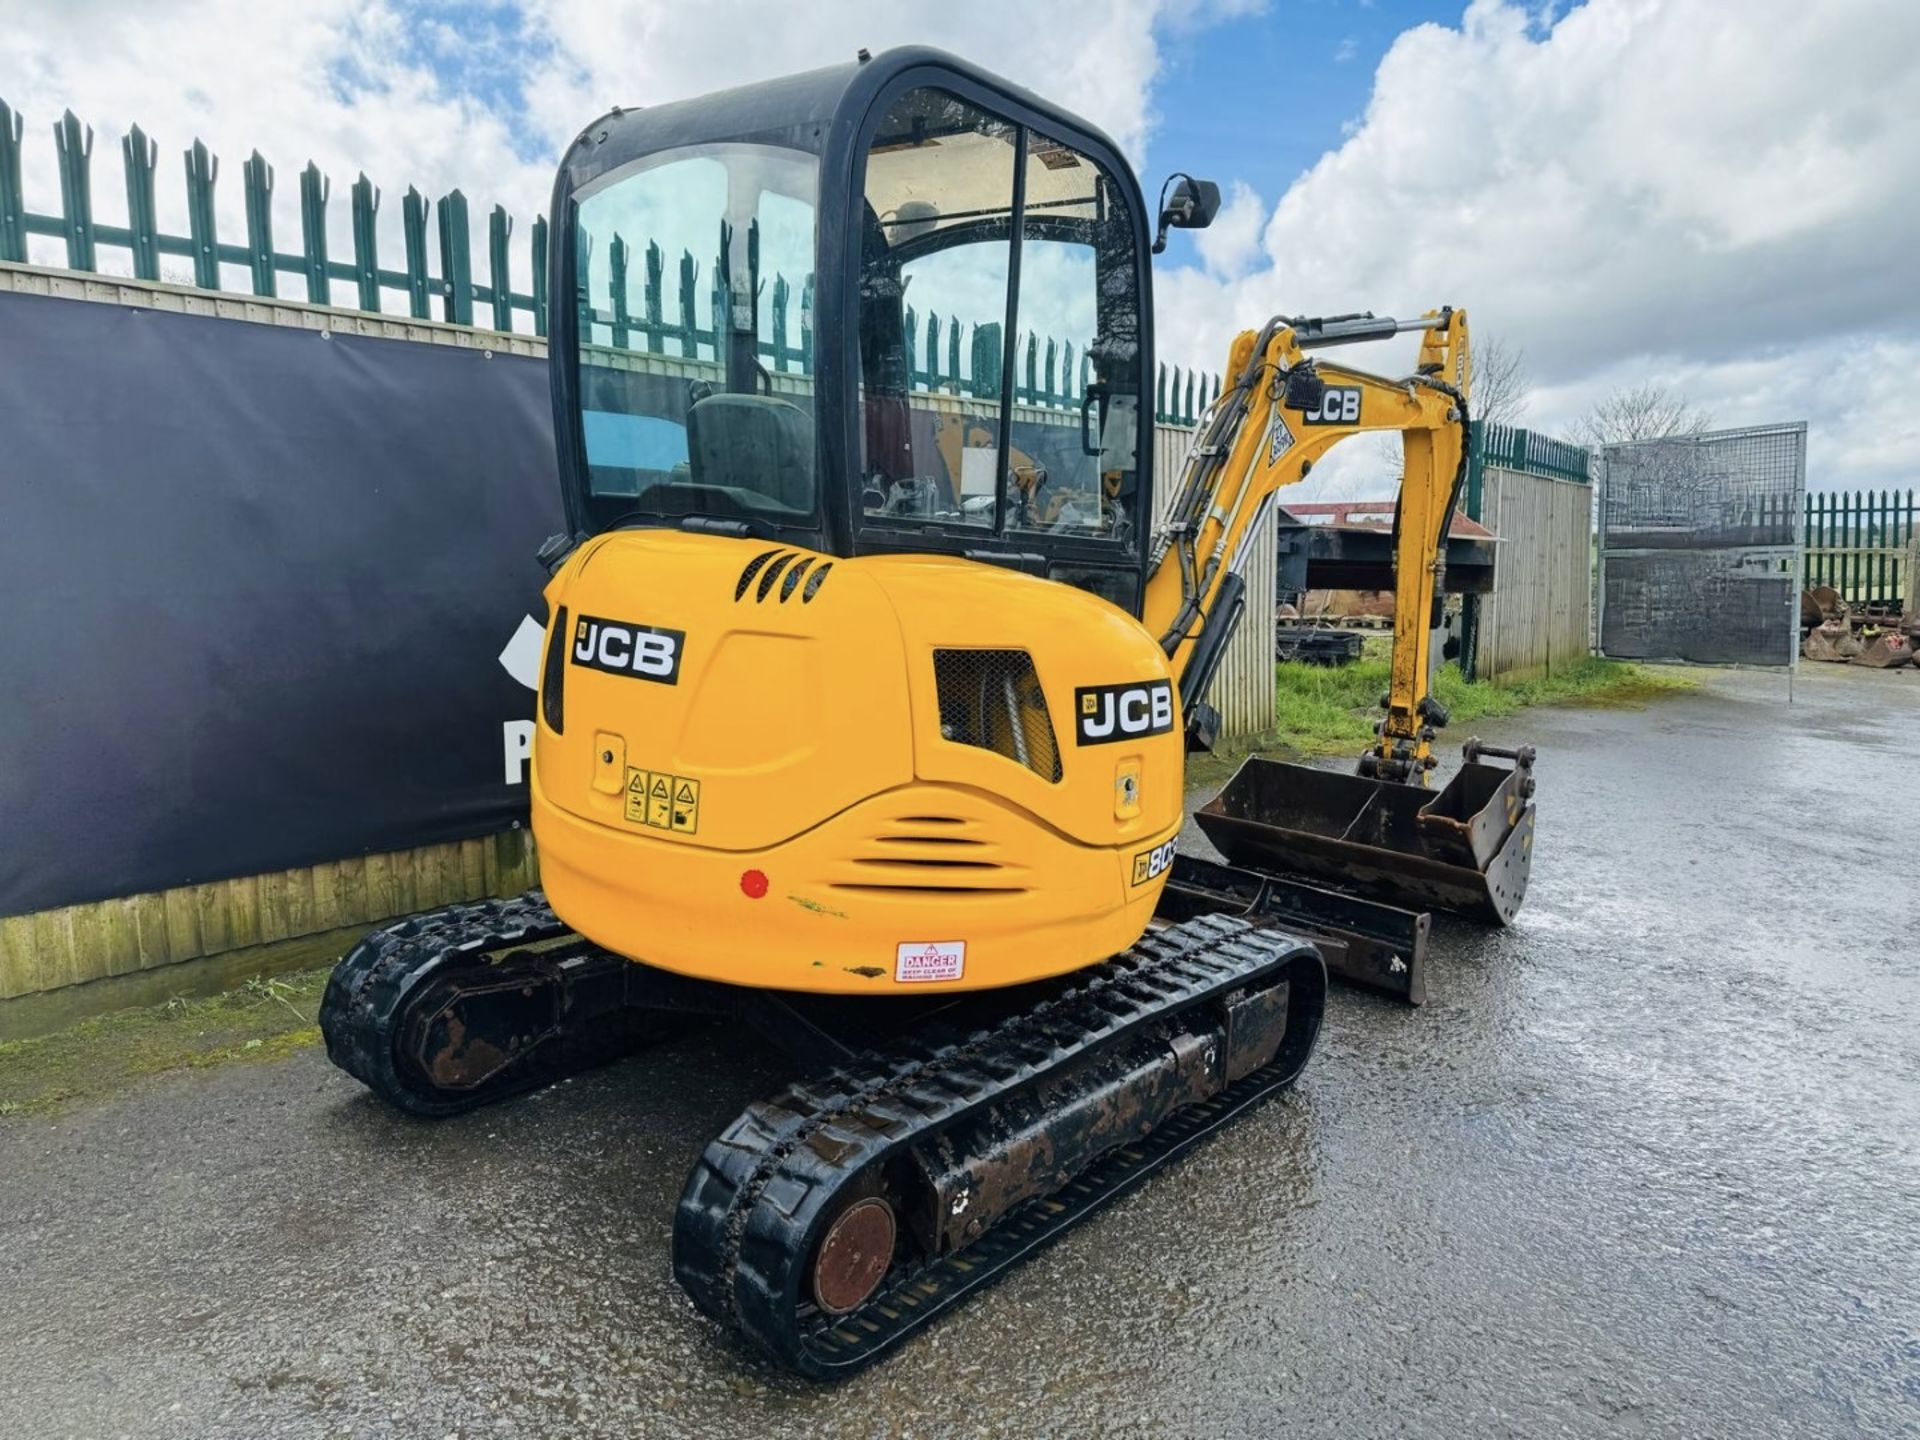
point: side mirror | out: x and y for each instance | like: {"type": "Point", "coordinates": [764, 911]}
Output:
{"type": "Point", "coordinates": [1191, 205]}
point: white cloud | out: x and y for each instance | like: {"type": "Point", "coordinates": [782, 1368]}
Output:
{"type": "Point", "coordinates": [1720, 196]}
{"type": "Point", "coordinates": [1231, 245]}
{"type": "Point", "coordinates": [325, 79]}
{"type": "Point", "coordinates": [315, 80]}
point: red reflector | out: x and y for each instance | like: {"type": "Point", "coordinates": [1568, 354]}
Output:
{"type": "Point", "coordinates": [753, 884]}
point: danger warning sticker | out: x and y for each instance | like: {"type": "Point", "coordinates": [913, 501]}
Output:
{"type": "Point", "coordinates": [921, 960]}
{"type": "Point", "coordinates": [663, 801]}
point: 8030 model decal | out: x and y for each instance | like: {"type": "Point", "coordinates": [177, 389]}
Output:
{"type": "Point", "coordinates": [1151, 864]}
{"type": "Point", "coordinates": [1103, 714]}
{"type": "Point", "coordinates": [619, 647]}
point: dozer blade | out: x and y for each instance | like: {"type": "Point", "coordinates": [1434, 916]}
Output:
{"type": "Point", "coordinates": [1364, 942]}
{"type": "Point", "coordinates": [1467, 849]}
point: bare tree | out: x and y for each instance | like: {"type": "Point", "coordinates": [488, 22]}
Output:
{"type": "Point", "coordinates": [1649, 411]}
{"type": "Point", "coordinates": [1501, 382]}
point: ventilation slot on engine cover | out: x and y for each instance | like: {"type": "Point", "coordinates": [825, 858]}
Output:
{"type": "Point", "coordinates": [992, 699]}
{"type": "Point", "coordinates": [753, 568]}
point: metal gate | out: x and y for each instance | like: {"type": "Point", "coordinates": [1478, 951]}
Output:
{"type": "Point", "coordinates": [1700, 546]}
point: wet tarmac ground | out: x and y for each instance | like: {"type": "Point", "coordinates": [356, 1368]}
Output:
{"type": "Point", "coordinates": [1646, 1164]}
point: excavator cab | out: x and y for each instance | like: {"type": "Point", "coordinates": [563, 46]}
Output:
{"type": "Point", "coordinates": [923, 323]}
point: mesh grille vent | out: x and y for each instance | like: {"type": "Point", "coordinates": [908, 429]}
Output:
{"type": "Point", "coordinates": [992, 699]}
{"type": "Point", "coordinates": [793, 565]}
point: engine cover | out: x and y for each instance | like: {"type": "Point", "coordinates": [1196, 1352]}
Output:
{"type": "Point", "coordinates": [775, 768]}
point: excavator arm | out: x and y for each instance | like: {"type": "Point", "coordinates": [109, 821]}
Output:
{"type": "Point", "coordinates": [1303, 844]}
{"type": "Point", "coordinates": [1284, 410]}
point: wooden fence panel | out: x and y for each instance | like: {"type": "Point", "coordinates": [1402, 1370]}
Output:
{"type": "Point", "coordinates": [1243, 688]}
{"type": "Point", "coordinates": [1538, 615]}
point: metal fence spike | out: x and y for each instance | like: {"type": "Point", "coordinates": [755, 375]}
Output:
{"type": "Point", "coordinates": [139, 156]}
{"type": "Point", "coordinates": [315, 190]}
{"type": "Point", "coordinates": [256, 179]}
{"type": "Point", "coordinates": [75, 151]}
{"type": "Point", "coordinates": [203, 168]}
{"type": "Point", "coordinates": [365, 201]}
{"type": "Point", "coordinates": [13, 200]}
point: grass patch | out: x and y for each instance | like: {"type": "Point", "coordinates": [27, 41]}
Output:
{"type": "Point", "coordinates": [267, 1018]}
{"type": "Point", "coordinates": [1322, 710]}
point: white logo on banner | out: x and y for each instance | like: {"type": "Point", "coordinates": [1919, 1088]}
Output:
{"type": "Point", "coordinates": [521, 660]}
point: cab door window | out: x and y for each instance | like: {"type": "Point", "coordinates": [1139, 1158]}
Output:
{"type": "Point", "coordinates": [936, 257]}
{"type": "Point", "coordinates": [1076, 425]}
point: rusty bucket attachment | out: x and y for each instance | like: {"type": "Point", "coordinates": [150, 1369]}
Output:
{"type": "Point", "coordinates": [1832, 641]}
{"type": "Point", "coordinates": [1467, 849]}
{"type": "Point", "coordinates": [1884, 650]}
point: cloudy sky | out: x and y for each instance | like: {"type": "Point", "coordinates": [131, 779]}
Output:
{"type": "Point", "coordinates": [1724, 197]}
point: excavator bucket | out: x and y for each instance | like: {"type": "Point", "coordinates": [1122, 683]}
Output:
{"type": "Point", "coordinates": [1832, 641]}
{"type": "Point", "coordinates": [1467, 848]}
{"type": "Point", "coordinates": [1884, 650]}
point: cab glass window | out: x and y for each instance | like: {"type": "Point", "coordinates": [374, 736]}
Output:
{"type": "Point", "coordinates": [936, 253]}
{"type": "Point", "coordinates": [697, 398]}
{"type": "Point", "coordinates": [1076, 428]}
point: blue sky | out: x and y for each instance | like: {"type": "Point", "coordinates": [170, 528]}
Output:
{"type": "Point", "coordinates": [1261, 96]}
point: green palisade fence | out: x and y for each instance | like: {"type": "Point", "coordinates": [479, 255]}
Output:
{"type": "Point", "coordinates": [1508, 447]}
{"type": "Point", "coordinates": [945, 355]}
{"type": "Point", "coordinates": [1857, 544]}
{"type": "Point", "coordinates": [1511, 448]}
{"type": "Point", "coordinates": [265, 263]}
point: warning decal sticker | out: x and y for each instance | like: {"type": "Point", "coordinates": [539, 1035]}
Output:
{"type": "Point", "coordinates": [1279, 438]}
{"type": "Point", "coordinates": [662, 801]}
{"type": "Point", "coordinates": [917, 961]}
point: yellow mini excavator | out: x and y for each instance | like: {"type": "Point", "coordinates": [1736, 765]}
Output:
{"type": "Point", "coordinates": [869, 677]}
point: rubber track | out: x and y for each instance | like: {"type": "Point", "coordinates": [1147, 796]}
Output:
{"type": "Point", "coordinates": [763, 1191]}
{"type": "Point", "coordinates": [370, 987]}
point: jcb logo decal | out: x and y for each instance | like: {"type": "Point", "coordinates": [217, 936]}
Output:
{"type": "Point", "coordinates": [1339, 406]}
{"type": "Point", "coordinates": [1106, 713]}
{"type": "Point", "coordinates": [645, 652]}
{"type": "Point", "coordinates": [1151, 864]}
